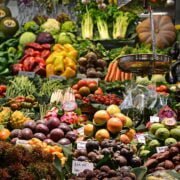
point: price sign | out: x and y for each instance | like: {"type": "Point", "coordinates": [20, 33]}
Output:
{"type": "Point", "coordinates": [27, 74]}
{"type": "Point", "coordinates": [141, 138]}
{"type": "Point", "coordinates": [81, 145]}
{"type": "Point", "coordinates": [81, 131]}
{"type": "Point", "coordinates": [81, 76]}
{"type": "Point", "coordinates": [123, 2]}
{"type": "Point", "coordinates": [55, 77]}
{"type": "Point", "coordinates": [154, 119]}
{"type": "Point", "coordinates": [161, 149]}
{"type": "Point", "coordinates": [80, 166]}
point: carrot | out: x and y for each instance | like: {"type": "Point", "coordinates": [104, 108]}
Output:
{"type": "Point", "coordinates": [122, 76]}
{"type": "Point", "coordinates": [126, 76]}
{"type": "Point", "coordinates": [108, 72]}
{"type": "Point", "coordinates": [113, 70]}
{"type": "Point", "coordinates": [118, 74]}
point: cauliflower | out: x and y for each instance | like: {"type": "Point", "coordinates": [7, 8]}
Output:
{"type": "Point", "coordinates": [51, 25]}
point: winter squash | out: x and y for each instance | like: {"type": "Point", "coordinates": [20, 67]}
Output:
{"type": "Point", "coordinates": [165, 32]}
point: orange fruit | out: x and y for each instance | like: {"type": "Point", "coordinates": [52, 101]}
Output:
{"type": "Point", "coordinates": [4, 134]}
{"type": "Point", "coordinates": [125, 139]}
{"type": "Point", "coordinates": [102, 134]}
{"type": "Point", "coordinates": [101, 117]}
{"type": "Point", "coordinates": [114, 125]}
{"type": "Point", "coordinates": [88, 130]}
{"type": "Point", "coordinates": [131, 133]}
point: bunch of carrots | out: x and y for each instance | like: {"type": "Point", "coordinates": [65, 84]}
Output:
{"type": "Point", "coordinates": [115, 74]}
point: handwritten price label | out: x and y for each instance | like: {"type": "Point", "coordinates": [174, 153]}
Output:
{"type": "Point", "coordinates": [154, 119]}
{"type": "Point", "coordinates": [80, 166]}
{"type": "Point", "coordinates": [81, 131]}
{"type": "Point", "coordinates": [161, 149]}
{"type": "Point", "coordinates": [27, 74]}
{"type": "Point", "coordinates": [81, 145]}
{"type": "Point", "coordinates": [61, 78]}
{"type": "Point", "coordinates": [141, 138]}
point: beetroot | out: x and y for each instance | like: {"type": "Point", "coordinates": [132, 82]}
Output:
{"type": "Point", "coordinates": [41, 121]}
{"type": "Point", "coordinates": [166, 112]}
{"type": "Point", "coordinates": [56, 134]}
{"type": "Point", "coordinates": [71, 135]}
{"type": "Point", "coordinates": [40, 136]}
{"type": "Point", "coordinates": [65, 127]}
{"type": "Point", "coordinates": [49, 141]}
{"type": "Point", "coordinates": [27, 134]}
{"type": "Point", "coordinates": [15, 133]}
{"type": "Point", "coordinates": [53, 122]}
{"type": "Point", "coordinates": [64, 141]}
{"type": "Point", "coordinates": [42, 128]}
{"type": "Point", "coordinates": [30, 124]}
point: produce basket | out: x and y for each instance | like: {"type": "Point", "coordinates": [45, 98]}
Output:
{"type": "Point", "coordinates": [145, 63]}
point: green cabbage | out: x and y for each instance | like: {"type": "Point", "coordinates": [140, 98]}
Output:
{"type": "Point", "coordinates": [26, 38]}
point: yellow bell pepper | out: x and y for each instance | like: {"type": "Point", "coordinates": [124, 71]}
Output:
{"type": "Point", "coordinates": [50, 59]}
{"type": "Point", "coordinates": [68, 47]}
{"type": "Point", "coordinates": [68, 73]}
{"type": "Point", "coordinates": [58, 47]}
{"type": "Point", "coordinates": [73, 55]}
{"type": "Point", "coordinates": [49, 70]}
{"type": "Point", "coordinates": [70, 63]}
{"type": "Point", "coordinates": [59, 65]}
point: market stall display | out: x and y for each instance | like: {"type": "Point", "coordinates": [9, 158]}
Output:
{"type": "Point", "coordinates": [73, 103]}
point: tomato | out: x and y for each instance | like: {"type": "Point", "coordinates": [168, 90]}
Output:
{"type": "Point", "coordinates": [78, 96]}
{"type": "Point", "coordinates": [164, 88]}
{"type": "Point", "coordinates": [158, 89]}
{"type": "Point", "coordinates": [82, 82]}
{"type": "Point", "coordinates": [75, 87]}
{"type": "Point", "coordinates": [99, 91]}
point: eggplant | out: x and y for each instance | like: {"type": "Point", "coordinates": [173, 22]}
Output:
{"type": "Point", "coordinates": [45, 37]}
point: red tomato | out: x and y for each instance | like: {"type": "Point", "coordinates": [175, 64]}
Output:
{"type": "Point", "coordinates": [154, 1]}
{"type": "Point", "coordinates": [3, 88]}
{"type": "Point", "coordinates": [78, 96]}
{"type": "Point", "coordinates": [158, 89]}
{"type": "Point", "coordinates": [82, 82]}
{"type": "Point", "coordinates": [164, 88]}
{"type": "Point", "coordinates": [75, 87]}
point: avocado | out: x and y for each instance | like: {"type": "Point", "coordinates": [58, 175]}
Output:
{"type": "Point", "coordinates": [4, 12]}
{"type": "Point", "coordinates": [9, 26]}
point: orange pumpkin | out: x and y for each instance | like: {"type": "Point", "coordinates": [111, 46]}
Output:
{"type": "Point", "coordinates": [164, 31]}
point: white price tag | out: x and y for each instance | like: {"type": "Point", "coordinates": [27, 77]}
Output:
{"type": "Point", "coordinates": [81, 131]}
{"type": "Point", "coordinates": [141, 138]}
{"type": "Point", "coordinates": [27, 74]}
{"type": "Point", "coordinates": [55, 77]}
{"type": "Point", "coordinates": [81, 145]}
{"type": "Point", "coordinates": [80, 166]}
{"type": "Point", "coordinates": [154, 119]}
{"type": "Point", "coordinates": [161, 149]}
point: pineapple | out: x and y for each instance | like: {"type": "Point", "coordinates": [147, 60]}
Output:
{"type": "Point", "coordinates": [18, 119]}
{"type": "Point", "coordinates": [5, 115]}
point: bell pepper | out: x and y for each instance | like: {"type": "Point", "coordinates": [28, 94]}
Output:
{"type": "Point", "coordinates": [73, 55]}
{"type": "Point", "coordinates": [58, 47]}
{"type": "Point", "coordinates": [59, 65]}
{"type": "Point", "coordinates": [68, 73]}
{"type": "Point", "coordinates": [49, 70]}
{"type": "Point", "coordinates": [70, 63]}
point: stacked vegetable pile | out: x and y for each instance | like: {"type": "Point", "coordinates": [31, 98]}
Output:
{"type": "Point", "coordinates": [20, 162]}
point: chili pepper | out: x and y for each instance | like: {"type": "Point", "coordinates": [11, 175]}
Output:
{"type": "Point", "coordinates": [40, 60]}
{"type": "Point", "coordinates": [46, 46]}
{"type": "Point", "coordinates": [45, 54]}
{"type": "Point", "coordinates": [34, 46]}
{"type": "Point", "coordinates": [9, 43]}
{"type": "Point", "coordinates": [16, 68]}
{"type": "Point", "coordinates": [3, 53]}
{"type": "Point", "coordinates": [29, 63]}
{"type": "Point", "coordinates": [23, 58]}
{"type": "Point", "coordinates": [5, 72]}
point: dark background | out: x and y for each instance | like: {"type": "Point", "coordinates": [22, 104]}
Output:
{"type": "Point", "coordinates": [177, 11]}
